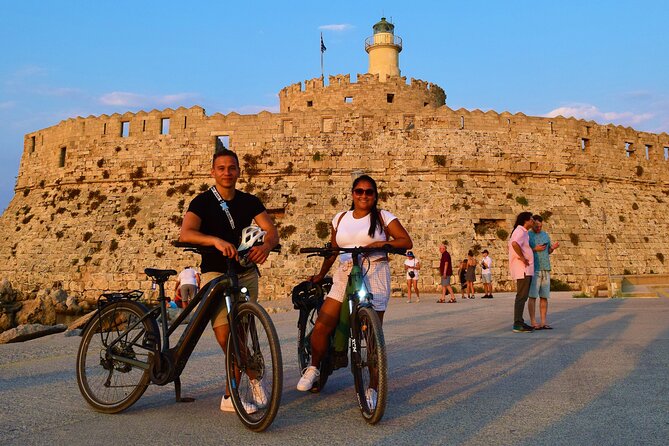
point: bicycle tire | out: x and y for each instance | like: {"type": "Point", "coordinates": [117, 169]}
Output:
{"type": "Point", "coordinates": [372, 370]}
{"type": "Point", "coordinates": [259, 342]}
{"type": "Point", "coordinates": [304, 351]}
{"type": "Point", "coordinates": [107, 385]}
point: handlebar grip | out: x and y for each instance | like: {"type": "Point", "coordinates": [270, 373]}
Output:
{"type": "Point", "coordinates": [311, 250]}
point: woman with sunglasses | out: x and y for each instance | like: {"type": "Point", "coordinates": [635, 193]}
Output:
{"type": "Point", "coordinates": [363, 225]}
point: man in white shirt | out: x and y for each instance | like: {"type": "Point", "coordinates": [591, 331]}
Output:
{"type": "Point", "coordinates": [188, 284]}
{"type": "Point", "coordinates": [486, 275]}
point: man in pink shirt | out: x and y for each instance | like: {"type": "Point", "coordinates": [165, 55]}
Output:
{"type": "Point", "coordinates": [521, 268]}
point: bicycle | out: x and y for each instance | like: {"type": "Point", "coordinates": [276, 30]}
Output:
{"type": "Point", "coordinates": [365, 341]}
{"type": "Point", "coordinates": [124, 348]}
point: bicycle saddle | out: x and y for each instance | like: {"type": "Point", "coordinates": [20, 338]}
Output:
{"type": "Point", "coordinates": [160, 275]}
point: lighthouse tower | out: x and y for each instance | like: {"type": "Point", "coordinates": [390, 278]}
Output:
{"type": "Point", "coordinates": [384, 50]}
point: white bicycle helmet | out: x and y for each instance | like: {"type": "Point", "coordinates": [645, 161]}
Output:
{"type": "Point", "coordinates": [250, 236]}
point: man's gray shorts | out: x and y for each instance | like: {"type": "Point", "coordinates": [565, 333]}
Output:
{"type": "Point", "coordinates": [486, 278]}
{"type": "Point", "coordinates": [445, 281]}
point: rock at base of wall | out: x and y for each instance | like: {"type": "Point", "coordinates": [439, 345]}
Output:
{"type": "Point", "coordinates": [29, 331]}
{"type": "Point", "coordinates": [82, 321]}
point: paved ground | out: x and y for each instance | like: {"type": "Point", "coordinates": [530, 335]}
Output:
{"type": "Point", "coordinates": [458, 375]}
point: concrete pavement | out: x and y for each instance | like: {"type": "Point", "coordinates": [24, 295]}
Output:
{"type": "Point", "coordinates": [458, 375]}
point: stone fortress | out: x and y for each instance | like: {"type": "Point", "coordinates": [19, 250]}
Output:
{"type": "Point", "coordinates": [98, 199]}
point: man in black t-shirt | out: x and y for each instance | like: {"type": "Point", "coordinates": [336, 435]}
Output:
{"type": "Point", "coordinates": [216, 218]}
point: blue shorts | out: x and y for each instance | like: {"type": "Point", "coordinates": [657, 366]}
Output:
{"type": "Point", "coordinates": [541, 285]}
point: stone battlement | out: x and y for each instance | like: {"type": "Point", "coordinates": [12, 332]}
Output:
{"type": "Point", "coordinates": [367, 92]}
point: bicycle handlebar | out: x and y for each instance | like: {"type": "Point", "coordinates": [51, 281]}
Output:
{"type": "Point", "coordinates": [201, 249]}
{"type": "Point", "coordinates": [328, 251]}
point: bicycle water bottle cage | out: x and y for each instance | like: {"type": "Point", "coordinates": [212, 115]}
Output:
{"type": "Point", "coordinates": [251, 235]}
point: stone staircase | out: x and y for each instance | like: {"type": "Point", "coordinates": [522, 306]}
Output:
{"type": "Point", "coordinates": [640, 286]}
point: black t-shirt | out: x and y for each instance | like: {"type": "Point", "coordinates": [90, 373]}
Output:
{"type": "Point", "coordinates": [243, 208]}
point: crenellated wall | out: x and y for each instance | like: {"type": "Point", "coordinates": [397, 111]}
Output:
{"type": "Point", "coordinates": [368, 92]}
{"type": "Point", "coordinates": [116, 203]}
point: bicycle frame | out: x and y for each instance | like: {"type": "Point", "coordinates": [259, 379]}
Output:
{"type": "Point", "coordinates": [176, 358]}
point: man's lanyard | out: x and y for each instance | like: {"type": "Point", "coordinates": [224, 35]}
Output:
{"type": "Point", "coordinates": [224, 206]}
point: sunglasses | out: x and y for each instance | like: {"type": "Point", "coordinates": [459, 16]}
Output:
{"type": "Point", "coordinates": [361, 192]}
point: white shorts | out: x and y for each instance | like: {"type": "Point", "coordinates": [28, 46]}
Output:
{"type": "Point", "coordinates": [414, 277]}
{"type": "Point", "coordinates": [377, 281]}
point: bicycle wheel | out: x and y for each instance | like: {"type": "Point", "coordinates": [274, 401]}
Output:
{"type": "Point", "coordinates": [255, 384]}
{"type": "Point", "coordinates": [304, 351]}
{"type": "Point", "coordinates": [371, 372]}
{"type": "Point", "coordinates": [112, 385]}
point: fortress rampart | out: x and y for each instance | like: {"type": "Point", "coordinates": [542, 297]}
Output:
{"type": "Point", "coordinates": [98, 199]}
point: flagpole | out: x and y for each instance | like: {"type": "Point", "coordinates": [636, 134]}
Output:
{"type": "Point", "coordinates": [322, 72]}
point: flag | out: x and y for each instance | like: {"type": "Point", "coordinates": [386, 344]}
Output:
{"type": "Point", "coordinates": [322, 44]}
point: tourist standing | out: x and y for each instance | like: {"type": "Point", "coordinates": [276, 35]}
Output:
{"type": "Point", "coordinates": [412, 265]}
{"type": "Point", "coordinates": [470, 274]}
{"type": "Point", "coordinates": [521, 268]}
{"type": "Point", "coordinates": [540, 242]}
{"type": "Point", "coordinates": [486, 275]}
{"type": "Point", "coordinates": [462, 275]}
{"type": "Point", "coordinates": [445, 272]}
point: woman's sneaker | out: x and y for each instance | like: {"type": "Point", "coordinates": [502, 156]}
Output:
{"type": "Point", "coordinates": [370, 396]}
{"type": "Point", "coordinates": [309, 377]}
{"type": "Point", "coordinates": [259, 394]}
{"type": "Point", "coordinates": [227, 406]}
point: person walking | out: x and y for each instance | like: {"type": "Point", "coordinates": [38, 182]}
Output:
{"type": "Point", "coordinates": [486, 275]}
{"type": "Point", "coordinates": [540, 287]}
{"type": "Point", "coordinates": [188, 283]}
{"type": "Point", "coordinates": [445, 272]}
{"type": "Point", "coordinates": [470, 274]}
{"type": "Point", "coordinates": [521, 268]}
{"type": "Point", "coordinates": [412, 265]}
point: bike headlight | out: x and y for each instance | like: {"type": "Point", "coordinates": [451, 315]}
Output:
{"type": "Point", "coordinates": [245, 292]}
{"type": "Point", "coordinates": [362, 294]}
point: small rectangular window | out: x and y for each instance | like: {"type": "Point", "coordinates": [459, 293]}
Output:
{"type": "Point", "coordinates": [310, 103]}
{"type": "Point", "coordinates": [629, 150]}
{"type": "Point", "coordinates": [648, 149]}
{"type": "Point", "coordinates": [125, 129]}
{"type": "Point", "coordinates": [144, 126]}
{"type": "Point", "coordinates": [666, 153]}
{"type": "Point", "coordinates": [61, 160]}
{"type": "Point", "coordinates": [165, 126]}
{"type": "Point", "coordinates": [222, 142]}
{"type": "Point", "coordinates": [462, 122]}
{"type": "Point", "coordinates": [390, 97]}
{"type": "Point", "coordinates": [585, 144]}
{"type": "Point", "coordinates": [348, 99]}
{"type": "Point", "coordinates": [104, 128]}
{"type": "Point", "coordinates": [185, 121]}
{"type": "Point", "coordinates": [32, 144]}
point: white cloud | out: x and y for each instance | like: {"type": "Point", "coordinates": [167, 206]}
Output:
{"type": "Point", "coordinates": [7, 105]}
{"type": "Point", "coordinates": [336, 27]}
{"type": "Point", "coordinates": [590, 112]}
{"type": "Point", "coordinates": [127, 99]}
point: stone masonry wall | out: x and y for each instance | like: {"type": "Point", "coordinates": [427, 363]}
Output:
{"type": "Point", "coordinates": [116, 204]}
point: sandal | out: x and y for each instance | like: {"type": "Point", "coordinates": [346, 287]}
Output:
{"type": "Point", "coordinates": [452, 301]}
{"type": "Point", "coordinates": [440, 301]}
{"type": "Point", "coordinates": [545, 327]}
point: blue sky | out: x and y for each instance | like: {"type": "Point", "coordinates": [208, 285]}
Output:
{"type": "Point", "coordinates": [607, 61]}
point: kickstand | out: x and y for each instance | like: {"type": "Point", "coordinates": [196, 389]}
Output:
{"type": "Point", "coordinates": [177, 390]}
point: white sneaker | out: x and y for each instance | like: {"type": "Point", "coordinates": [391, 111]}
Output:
{"type": "Point", "coordinates": [370, 395]}
{"type": "Point", "coordinates": [310, 375]}
{"type": "Point", "coordinates": [227, 406]}
{"type": "Point", "coordinates": [259, 394]}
